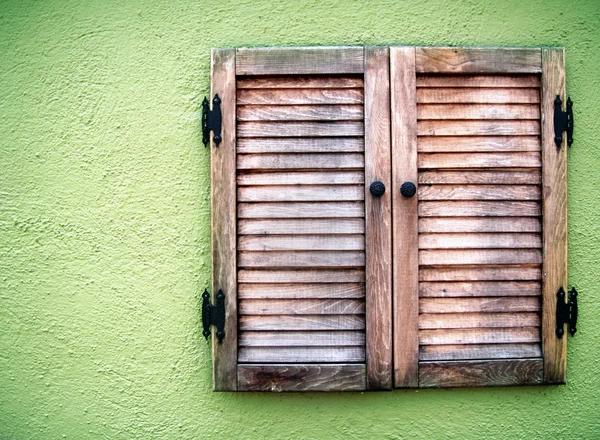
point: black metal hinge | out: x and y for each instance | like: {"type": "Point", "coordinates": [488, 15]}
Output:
{"type": "Point", "coordinates": [213, 314]}
{"type": "Point", "coordinates": [566, 312]}
{"type": "Point", "coordinates": [211, 120]}
{"type": "Point", "coordinates": [563, 121]}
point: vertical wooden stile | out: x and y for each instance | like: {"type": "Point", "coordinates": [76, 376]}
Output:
{"type": "Point", "coordinates": [405, 217]}
{"type": "Point", "coordinates": [223, 214]}
{"type": "Point", "coordinates": [554, 216]}
{"type": "Point", "coordinates": [378, 220]}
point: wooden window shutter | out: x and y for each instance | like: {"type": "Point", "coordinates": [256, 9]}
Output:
{"type": "Point", "coordinates": [481, 251]}
{"type": "Point", "coordinates": [300, 248]}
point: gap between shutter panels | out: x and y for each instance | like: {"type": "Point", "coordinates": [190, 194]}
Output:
{"type": "Point", "coordinates": [479, 227]}
{"type": "Point", "coordinates": [301, 225]}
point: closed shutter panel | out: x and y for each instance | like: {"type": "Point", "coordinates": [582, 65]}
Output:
{"type": "Point", "coordinates": [483, 251]}
{"type": "Point", "coordinates": [307, 249]}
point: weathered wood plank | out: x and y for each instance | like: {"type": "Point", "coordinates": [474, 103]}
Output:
{"type": "Point", "coordinates": [310, 259]}
{"type": "Point", "coordinates": [477, 60]}
{"type": "Point", "coordinates": [300, 113]}
{"type": "Point", "coordinates": [478, 192]}
{"type": "Point", "coordinates": [479, 256]}
{"type": "Point", "coordinates": [300, 161]}
{"type": "Point", "coordinates": [301, 242]}
{"type": "Point", "coordinates": [439, 321]}
{"type": "Point", "coordinates": [554, 216]}
{"type": "Point", "coordinates": [302, 339]}
{"type": "Point", "coordinates": [475, 335]}
{"type": "Point", "coordinates": [473, 208]}
{"type": "Point", "coordinates": [299, 60]}
{"type": "Point", "coordinates": [405, 218]}
{"type": "Point", "coordinates": [223, 228]}
{"type": "Point", "coordinates": [301, 193]}
{"type": "Point", "coordinates": [301, 307]}
{"type": "Point", "coordinates": [487, 304]}
{"type": "Point", "coordinates": [378, 215]}
{"type": "Point", "coordinates": [478, 81]}
{"type": "Point", "coordinates": [300, 96]}
{"type": "Point", "coordinates": [309, 82]}
{"type": "Point", "coordinates": [503, 177]}
{"type": "Point", "coordinates": [476, 127]}
{"type": "Point", "coordinates": [302, 322]}
{"type": "Point", "coordinates": [296, 210]}
{"type": "Point", "coordinates": [463, 144]}
{"type": "Point", "coordinates": [479, 160]}
{"type": "Point", "coordinates": [302, 276]}
{"type": "Point", "coordinates": [479, 241]}
{"type": "Point", "coordinates": [303, 178]}
{"type": "Point", "coordinates": [312, 377]}
{"type": "Point", "coordinates": [301, 354]}
{"type": "Point", "coordinates": [477, 111]}
{"type": "Point", "coordinates": [497, 273]}
{"type": "Point", "coordinates": [301, 226]}
{"type": "Point", "coordinates": [463, 95]}
{"type": "Point", "coordinates": [302, 145]}
{"type": "Point", "coordinates": [443, 374]}
{"type": "Point", "coordinates": [300, 129]}
{"type": "Point", "coordinates": [323, 290]}
{"type": "Point", "coordinates": [479, 351]}
{"type": "Point", "coordinates": [478, 288]}
{"type": "Point", "coordinates": [479, 224]}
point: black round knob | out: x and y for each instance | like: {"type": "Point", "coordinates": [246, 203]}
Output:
{"type": "Point", "coordinates": [408, 189]}
{"type": "Point", "coordinates": [377, 189]}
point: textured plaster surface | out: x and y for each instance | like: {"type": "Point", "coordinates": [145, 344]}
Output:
{"type": "Point", "coordinates": [104, 220]}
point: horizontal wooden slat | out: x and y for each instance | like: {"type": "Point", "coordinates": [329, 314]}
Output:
{"type": "Point", "coordinates": [300, 129]}
{"type": "Point", "coordinates": [477, 128]}
{"type": "Point", "coordinates": [302, 339]}
{"type": "Point", "coordinates": [301, 145]}
{"type": "Point", "coordinates": [479, 224]}
{"type": "Point", "coordinates": [478, 288]}
{"type": "Point", "coordinates": [324, 290]}
{"type": "Point", "coordinates": [479, 209]}
{"type": "Point", "coordinates": [301, 307]}
{"type": "Point", "coordinates": [300, 113]}
{"type": "Point", "coordinates": [476, 111]}
{"type": "Point", "coordinates": [302, 322]}
{"type": "Point", "coordinates": [463, 144]}
{"type": "Point", "coordinates": [301, 354]}
{"type": "Point", "coordinates": [478, 160]}
{"type": "Point", "coordinates": [479, 192]}
{"type": "Point", "coordinates": [299, 60]}
{"type": "Point", "coordinates": [487, 304]}
{"type": "Point", "coordinates": [303, 276]}
{"type": "Point", "coordinates": [498, 273]}
{"type": "Point", "coordinates": [478, 335]}
{"type": "Point", "coordinates": [437, 321]}
{"type": "Point", "coordinates": [505, 177]}
{"type": "Point", "coordinates": [301, 226]}
{"type": "Point", "coordinates": [301, 210]}
{"type": "Point", "coordinates": [480, 256]}
{"type": "Point", "coordinates": [479, 241]}
{"type": "Point", "coordinates": [302, 178]}
{"type": "Point", "coordinates": [304, 82]}
{"type": "Point", "coordinates": [477, 60]}
{"type": "Point", "coordinates": [479, 351]}
{"type": "Point", "coordinates": [300, 161]}
{"type": "Point", "coordinates": [301, 242]}
{"type": "Point", "coordinates": [441, 374]}
{"type": "Point", "coordinates": [301, 259]}
{"type": "Point", "coordinates": [299, 96]}
{"type": "Point", "coordinates": [311, 377]}
{"type": "Point", "coordinates": [478, 81]}
{"type": "Point", "coordinates": [463, 95]}
{"type": "Point", "coordinates": [301, 193]}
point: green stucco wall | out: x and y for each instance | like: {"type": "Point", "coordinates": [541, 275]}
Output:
{"type": "Point", "coordinates": [104, 220]}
